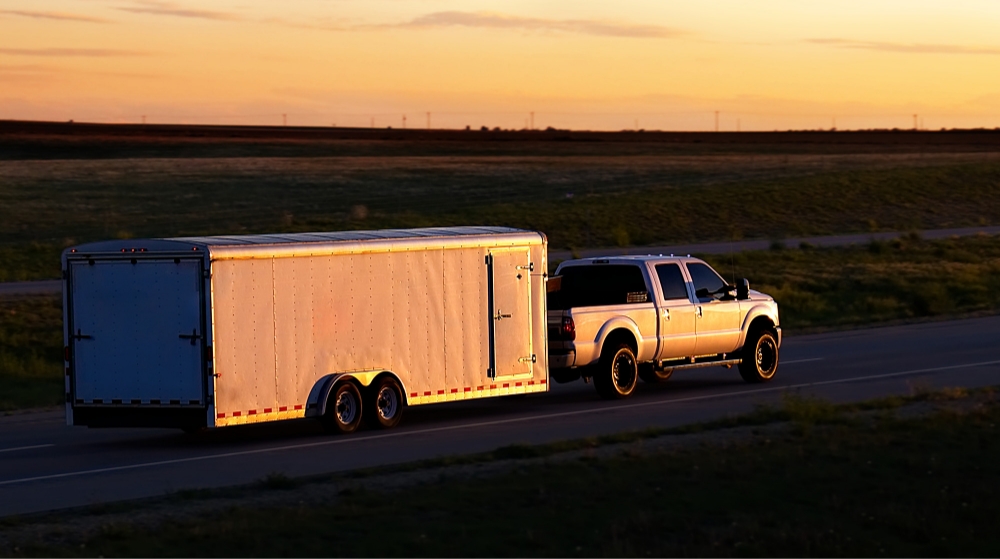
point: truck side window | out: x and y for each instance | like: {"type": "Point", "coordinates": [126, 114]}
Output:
{"type": "Point", "coordinates": [704, 276]}
{"type": "Point", "coordinates": [671, 281]}
{"type": "Point", "coordinates": [598, 285]}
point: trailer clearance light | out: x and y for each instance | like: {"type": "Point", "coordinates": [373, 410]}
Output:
{"type": "Point", "coordinates": [568, 329]}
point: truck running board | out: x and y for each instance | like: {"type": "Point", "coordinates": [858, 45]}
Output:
{"type": "Point", "coordinates": [699, 365]}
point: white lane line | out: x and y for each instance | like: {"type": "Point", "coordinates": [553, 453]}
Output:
{"type": "Point", "coordinates": [25, 447]}
{"type": "Point", "coordinates": [793, 361]}
{"type": "Point", "coordinates": [346, 440]}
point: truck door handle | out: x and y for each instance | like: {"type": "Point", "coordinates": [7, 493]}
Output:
{"type": "Point", "coordinates": [699, 311]}
{"type": "Point", "coordinates": [501, 316]}
{"type": "Point", "coordinates": [193, 336]}
{"type": "Point", "coordinates": [666, 314]}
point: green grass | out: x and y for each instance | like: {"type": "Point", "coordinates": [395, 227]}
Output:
{"type": "Point", "coordinates": [615, 198]}
{"type": "Point", "coordinates": [31, 343]}
{"type": "Point", "coordinates": [847, 486]}
{"type": "Point", "coordinates": [903, 279]}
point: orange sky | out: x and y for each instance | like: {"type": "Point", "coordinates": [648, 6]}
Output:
{"type": "Point", "coordinates": [765, 64]}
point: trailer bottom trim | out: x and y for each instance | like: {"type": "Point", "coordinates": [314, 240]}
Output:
{"type": "Point", "coordinates": [471, 393]}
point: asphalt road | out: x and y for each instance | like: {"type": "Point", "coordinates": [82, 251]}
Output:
{"type": "Point", "coordinates": [46, 465]}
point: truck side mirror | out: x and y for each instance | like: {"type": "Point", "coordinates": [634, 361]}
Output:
{"type": "Point", "coordinates": [743, 289]}
{"type": "Point", "coordinates": [702, 293]}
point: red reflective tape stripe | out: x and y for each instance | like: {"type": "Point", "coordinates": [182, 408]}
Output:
{"type": "Point", "coordinates": [454, 390]}
{"type": "Point", "coordinates": [506, 385]}
{"type": "Point", "coordinates": [220, 415]}
{"type": "Point", "coordinates": [440, 391]}
{"type": "Point", "coordinates": [237, 413]}
{"type": "Point", "coordinates": [517, 384]}
{"type": "Point", "coordinates": [252, 412]}
{"type": "Point", "coordinates": [298, 406]}
{"type": "Point", "coordinates": [468, 389]}
{"type": "Point", "coordinates": [427, 393]}
{"type": "Point", "coordinates": [480, 388]}
{"type": "Point", "coordinates": [413, 394]}
{"type": "Point", "coordinates": [541, 381]}
{"type": "Point", "coordinates": [283, 408]}
{"type": "Point", "coordinates": [530, 382]}
{"type": "Point", "coordinates": [267, 410]}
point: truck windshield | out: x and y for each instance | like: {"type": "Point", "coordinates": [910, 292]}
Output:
{"type": "Point", "coordinates": [598, 285]}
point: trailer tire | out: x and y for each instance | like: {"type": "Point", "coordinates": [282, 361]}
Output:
{"type": "Point", "coordinates": [384, 407]}
{"type": "Point", "coordinates": [343, 409]}
{"type": "Point", "coordinates": [618, 371]}
{"type": "Point", "coordinates": [760, 357]}
{"type": "Point", "coordinates": [649, 373]}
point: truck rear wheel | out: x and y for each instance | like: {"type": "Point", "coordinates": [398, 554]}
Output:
{"type": "Point", "coordinates": [618, 373]}
{"type": "Point", "coordinates": [760, 357]}
{"type": "Point", "coordinates": [343, 409]}
{"type": "Point", "coordinates": [385, 403]}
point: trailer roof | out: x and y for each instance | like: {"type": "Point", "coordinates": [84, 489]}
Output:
{"type": "Point", "coordinates": [335, 236]}
{"type": "Point", "coordinates": [288, 244]}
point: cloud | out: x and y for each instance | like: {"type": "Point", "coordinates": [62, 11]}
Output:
{"type": "Point", "coordinates": [503, 21]}
{"type": "Point", "coordinates": [54, 15]}
{"type": "Point", "coordinates": [917, 48]}
{"type": "Point", "coordinates": [170, 9]}
{"type": "Point", "coordinates": [71, 52]}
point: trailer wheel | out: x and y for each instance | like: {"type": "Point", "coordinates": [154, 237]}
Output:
{"type": "Point", "coordinates": [343, 409]}
{"type": "Point", "coordinates": [649, 373]}
{"type": "Point", "coordinates": [760, 357]}
{"type": "Point", "coordinates": [385, 403]}
{"type": "Point", "coordinates": [618, 372]}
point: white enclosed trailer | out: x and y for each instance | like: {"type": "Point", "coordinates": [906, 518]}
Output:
{"type": "Point", "coordinates": [214, 331]}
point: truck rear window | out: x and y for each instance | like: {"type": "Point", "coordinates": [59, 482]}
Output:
{"type": "Point", "coordinates": [597, 285]}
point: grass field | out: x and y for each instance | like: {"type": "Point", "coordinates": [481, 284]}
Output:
{"type": "Point", "coordinates": [831, 483]}
{"type": "Point", "coordinates": [30, 352]}
{"type": "Point", "coordinates": [580, 193]}
{"type": "Point", "coordinates": [830, 287]}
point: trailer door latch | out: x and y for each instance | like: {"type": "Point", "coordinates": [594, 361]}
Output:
{"type": "Point", "coordinates": [78, 336]}
{"type": "Point", "coordinates": [193, 336]}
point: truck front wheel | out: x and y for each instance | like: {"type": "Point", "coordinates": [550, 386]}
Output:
{"type": "Point", "coordinates": [343, 409]}
{"type": "Point", "coordinates": [760, 357]}
{"type": "Point", "coordinates": [618, 372]}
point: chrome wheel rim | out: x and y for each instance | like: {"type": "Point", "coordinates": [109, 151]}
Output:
{"type": "Point", "coordinates": [766, 356]}
{"type": "Point", "coordinates": [387, 403]}
{"type": "Point", "coordinates": [623, 372]}
{"type": "Point", "coordinates": [347, 408]}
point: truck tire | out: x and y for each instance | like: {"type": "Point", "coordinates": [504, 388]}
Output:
{"type": "Point", "coordinates": [649, 373]}
{"type": "Point", "coordinates": [343, 409]}
{"type": "Point", "coordinates": [760, 357]}
{"type": "Point", "coordinates": [384, 407]}
{"type": "Point", "coordinates": [617, 372]}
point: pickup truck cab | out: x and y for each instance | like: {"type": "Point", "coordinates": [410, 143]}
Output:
{"type": "Point", "coordinates": [618, 319]}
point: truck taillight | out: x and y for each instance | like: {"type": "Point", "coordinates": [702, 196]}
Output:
{"type": "Point", "coordinates": [568, 329]}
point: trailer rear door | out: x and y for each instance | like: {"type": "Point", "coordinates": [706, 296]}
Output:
{"type": "Point", "coordinates": [136, 331]}
{"type": "Point", "coordinates": [510, 313]}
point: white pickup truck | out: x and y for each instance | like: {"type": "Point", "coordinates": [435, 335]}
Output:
{"type": "Point", "coordinates": [618, 319]}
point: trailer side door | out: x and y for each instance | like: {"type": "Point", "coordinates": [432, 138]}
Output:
{"type": "Point", "coordinates": [511, 353]}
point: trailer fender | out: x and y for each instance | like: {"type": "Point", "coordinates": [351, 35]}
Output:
{"type": "Point", "coordinates": [316, 404]}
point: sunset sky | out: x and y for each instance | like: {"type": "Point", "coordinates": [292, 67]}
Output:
{"type": "Point", "coordinates": [655, 64]}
